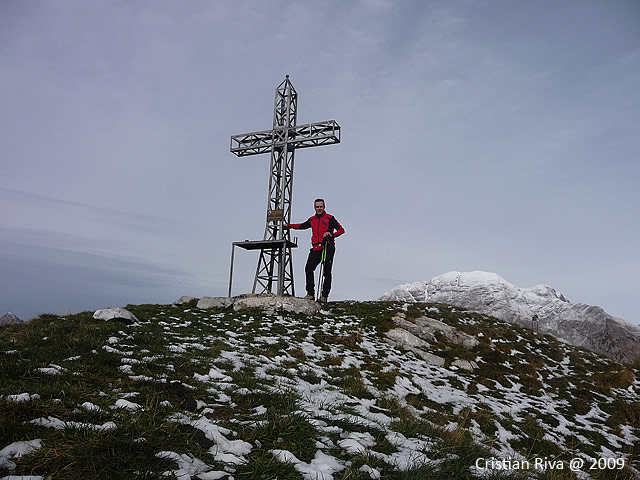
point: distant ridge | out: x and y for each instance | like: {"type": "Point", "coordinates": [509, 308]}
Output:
{"type": "Point", "coordinates": [9, 319]}
{"type": "Point", "coordinates": [488, 293]}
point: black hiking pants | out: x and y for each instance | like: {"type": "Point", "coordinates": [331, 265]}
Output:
{"type": "Point", "coordinates": [313, 260]}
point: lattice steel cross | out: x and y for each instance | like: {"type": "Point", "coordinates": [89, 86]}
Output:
{"type": "Point", "coordinates": [274, 264]}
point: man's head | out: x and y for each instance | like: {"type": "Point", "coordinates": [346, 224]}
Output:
{"type": "Point", "coordinates": [318, 205]}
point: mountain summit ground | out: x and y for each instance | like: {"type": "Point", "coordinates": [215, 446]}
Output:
{"type": "Point", "coordinates": [219, 394]}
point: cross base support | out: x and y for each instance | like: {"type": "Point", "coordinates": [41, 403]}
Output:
{"type": "Point", "coordinates": [273, 248]}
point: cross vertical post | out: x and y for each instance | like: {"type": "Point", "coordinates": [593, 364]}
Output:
{"type": "Point", "coordinates": [275, 266]}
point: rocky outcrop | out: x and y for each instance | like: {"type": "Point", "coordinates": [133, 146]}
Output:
{"type": "Point", "coordinates": [184, 300]}
{"type": "Point", "coordinates": [276, 303]}
{"type": "Point", "coordinates": [419, 336]}
{"type": "Point", "coordinates": [268, 303]}
{"type": "Point", "coordinates": [577, 324]}
{"type": "Point", "coordinates": [467, 365]}
{"type": "Point", "coordinates": [425, 327]}
{"type": "Point", "coordinates": [401, 338]}
{"type": "Point", "coordinates": [214, 302]}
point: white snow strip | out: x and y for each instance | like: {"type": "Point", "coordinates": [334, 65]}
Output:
{"type": "Point", "coordinates": [126, 369]}
{"type": "Point", "coordinates": [260, 410]}
{"type": "Point", "coordinates": [224, 450]}
{"type": "Point", "coordinates": [189, 466]}
{"type": "Point", "coordinates": [109, 349]}
{"type": "Point", "coordinates": [410, 452]}
{"type": "Point", "coordinates": [215, 374]}
{"type": "Point", "coordinates": [627, 434]}
{"type": "Point", "coordinates": [56, 423]}
{"type": "Point", "coordinates": [145, 378]}
{"type": "Point", "coordinates": [234, 358]}
{"type": "Point", "coordinates": [127, 405]}
{"type": "Point", "coordinates": [91, 407]}
{"type": "Point", "coordinates": [17, 450]}
{"type": "Point", "coordinates": [374, 473]}
{"type": "Point", "coordinates": [356, 442]}
{"type": "Point", "coordinates": [177, 349]}
{"type": "Point", "coordinates": [322, 467]}
{"type": "Point", "coordinates": [22, 398]}
{"type": "Point", "coordinates": [51, 370]}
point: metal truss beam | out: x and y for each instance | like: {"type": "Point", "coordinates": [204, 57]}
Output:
{"type": "Point", "coordinates": [301, 136]}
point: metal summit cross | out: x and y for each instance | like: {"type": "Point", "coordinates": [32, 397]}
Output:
{"type": "Point", "coordinates": [275, 264]}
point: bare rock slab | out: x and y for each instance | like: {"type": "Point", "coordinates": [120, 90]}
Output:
{"type": "Point", "coordinates": [184, 300]}
{"type": "Point", "coordinates": [276, 303]}
{"type": "Point", "coordinates": [401, 338]}
{"type": "Point", "coordinates": [426, 328]}
{"type": "Point", "coordinates": [418, 336]}
{"type": "Point", "coordinates": [268, 303]}
{"type": "Point", "coordinates": [467, 365]}
{"type": "Point", "coordinates": [214, 302]}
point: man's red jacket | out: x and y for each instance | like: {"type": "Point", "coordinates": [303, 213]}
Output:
{"type": "Point", "coordinates": [319, 224]}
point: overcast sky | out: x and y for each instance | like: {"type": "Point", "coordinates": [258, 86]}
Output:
{"type": "Point", "coordinates": [501, 136]}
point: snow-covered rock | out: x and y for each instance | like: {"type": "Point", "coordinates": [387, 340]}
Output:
{"type": "Point", "coordinates": [116, 313]}
{"type": "Point", "coordinates": [9, 319]}
{"type": "Point", "coordinates": [488, 293]}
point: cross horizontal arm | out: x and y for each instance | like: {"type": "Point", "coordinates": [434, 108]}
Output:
{"type": "Point", "coordinates": [300, 136]}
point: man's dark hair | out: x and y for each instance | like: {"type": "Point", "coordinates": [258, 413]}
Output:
{"type": "Point", "coordinates": [319, 200]}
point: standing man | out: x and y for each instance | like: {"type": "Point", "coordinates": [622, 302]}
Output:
{"type": "Point", "coordinates": [323, 226]}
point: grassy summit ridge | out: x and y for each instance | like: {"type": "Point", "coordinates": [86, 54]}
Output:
{"type": "Point", "coordinates": [211, 394]}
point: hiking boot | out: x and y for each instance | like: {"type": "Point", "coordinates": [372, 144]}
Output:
{"type": "Point", "coordinates": [323, 299]}
{"type": "Point", "coordinates": [310, 297]}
